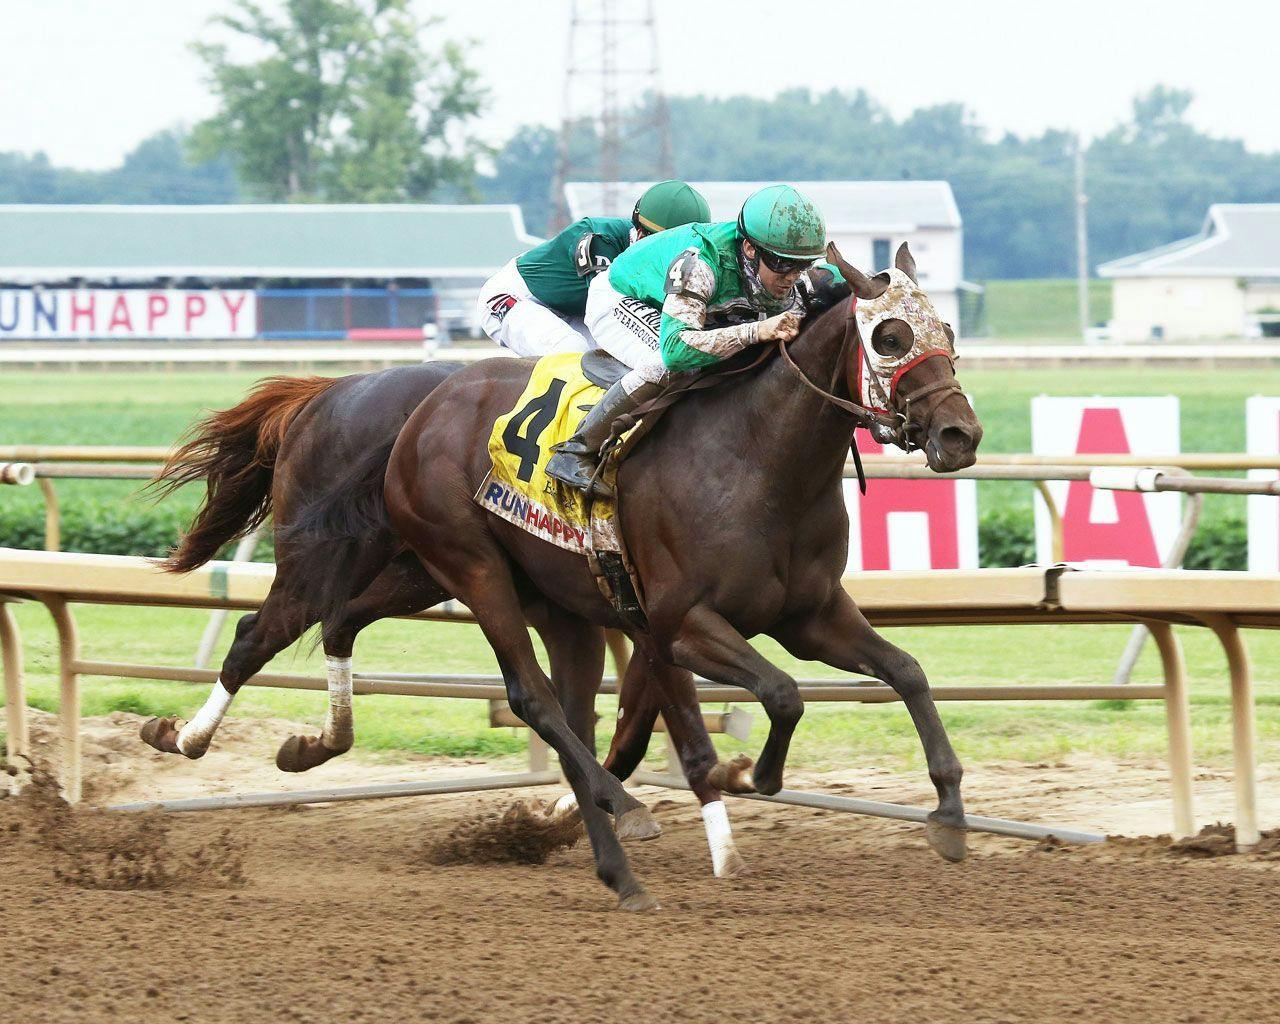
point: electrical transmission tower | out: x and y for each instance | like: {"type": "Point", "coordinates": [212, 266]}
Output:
{"type": "Point", "coordinates": [612, 90]}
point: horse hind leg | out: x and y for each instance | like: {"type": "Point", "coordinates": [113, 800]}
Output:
{"type": "Point", "coordinates": [302, 753]}
{"type": "Point", "coordinates": [260, 636]}
{"type": "Point", "coordinates": [402, 588]}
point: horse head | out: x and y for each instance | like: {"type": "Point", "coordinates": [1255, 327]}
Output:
{"type": "Point", "coordinates": [903, 363]}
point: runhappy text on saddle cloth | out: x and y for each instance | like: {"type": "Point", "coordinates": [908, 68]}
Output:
{"type": "Point", "coordinates": [517, 487]}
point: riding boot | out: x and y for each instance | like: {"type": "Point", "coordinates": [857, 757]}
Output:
{"type": "Point", "coordinates": [575, 460]}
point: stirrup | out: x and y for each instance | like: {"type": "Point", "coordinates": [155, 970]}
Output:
{"type": "Point", "coordinates": [576, 470]}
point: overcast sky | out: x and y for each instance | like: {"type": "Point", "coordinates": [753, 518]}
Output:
{"type": "Point", "coordinates": [86, 80]}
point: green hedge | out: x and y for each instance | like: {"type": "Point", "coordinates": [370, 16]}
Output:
{"type": "Point", "coordinates": [1006, 536]}
{"type": "Point", "coordinates": [109, 528]}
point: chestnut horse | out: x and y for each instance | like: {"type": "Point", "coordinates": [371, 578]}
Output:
{"type": "Point", "coordinates": [734, 513]}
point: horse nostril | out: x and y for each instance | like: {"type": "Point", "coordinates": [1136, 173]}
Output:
{"type": "Point", "coordinates": [955, 439]}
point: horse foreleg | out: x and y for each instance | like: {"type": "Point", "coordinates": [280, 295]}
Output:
{"type": "Point", "coordinates": [840, 636]}
{"type": "Point", "coordinates": [708, 777]}
{"type": "Point", "coordinates": [487, 588]}
{"type": "Point", "coordinates": [705, 643]}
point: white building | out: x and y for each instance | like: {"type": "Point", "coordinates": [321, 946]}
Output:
{"type": "Point", "coordinates": [866, 219]}
{"type": "Point", "coordinates": [1221, 283]}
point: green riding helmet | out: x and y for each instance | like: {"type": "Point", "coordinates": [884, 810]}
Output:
{"type": "Point", "coordinates": [669, 204]}
{"type": "Point", "coordinates": [784, 221]}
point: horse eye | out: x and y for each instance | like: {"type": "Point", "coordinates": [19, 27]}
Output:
{"type": "Point", "coordinates": [888, 344]}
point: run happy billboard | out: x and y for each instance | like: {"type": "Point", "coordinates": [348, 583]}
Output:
{"type": "Point", "coordinates": [127, 313]}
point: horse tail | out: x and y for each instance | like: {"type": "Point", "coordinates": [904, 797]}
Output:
{"type": "Point", "coordinates": [234, 451]}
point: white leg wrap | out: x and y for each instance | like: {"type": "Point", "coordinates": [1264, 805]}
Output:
{"type": "Point", "coordinates": [339, 730]}
{"type": "Point", "coordinates": [719, 837]}
{"type": "Point", "coordinates": [565, 804]}
{"type": "Point", "coordinates": [195, 736]}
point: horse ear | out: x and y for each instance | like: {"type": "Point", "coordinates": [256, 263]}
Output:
{"type": "Point", "coordinates": [864, 287]}
{"type": "Point", "coordinates": [905, 262]}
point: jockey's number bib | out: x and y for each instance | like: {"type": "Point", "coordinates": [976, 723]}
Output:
{"type": "Point", "coordinates": [517, 488]}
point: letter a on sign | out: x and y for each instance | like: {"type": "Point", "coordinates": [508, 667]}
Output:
{"type": "Point", "coordinates": [1262, 418]}
{"type": "Point", "coordinates": [1104, 527]}
{"type": "Point", "coordinates": [911, 524]}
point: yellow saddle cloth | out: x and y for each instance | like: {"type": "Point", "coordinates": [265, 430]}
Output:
{"type": "Point", "coordinates": [517, 488]}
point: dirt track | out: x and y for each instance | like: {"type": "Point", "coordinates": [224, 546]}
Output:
{"type": "Point", "coordinates": [341, 917]}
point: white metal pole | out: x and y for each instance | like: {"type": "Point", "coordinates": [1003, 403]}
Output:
{"type": "Point", "coordinates": [1082, 241]}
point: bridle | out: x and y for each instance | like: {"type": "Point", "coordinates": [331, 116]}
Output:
{"type": "Point", "coordinates": [888, 425]}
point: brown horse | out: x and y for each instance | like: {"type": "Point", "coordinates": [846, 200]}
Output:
{"type": "Point", "coordinates": [734, 513]}
{"type": "Point", "coordinates": [283, 449]}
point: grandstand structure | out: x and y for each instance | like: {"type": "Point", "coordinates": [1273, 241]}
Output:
{"type": "Point", "coordinates": [360, 272]}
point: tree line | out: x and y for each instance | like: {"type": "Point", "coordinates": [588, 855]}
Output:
{"type": "Point", "coordinates": [365, 101]}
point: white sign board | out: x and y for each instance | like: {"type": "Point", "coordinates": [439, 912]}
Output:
{"type": "Point", "coordinates": [1104, 528]}
{"type": "Point", "coordinates": [127, 313]}
{"type": "Point", "coordinates": [1262, 437]}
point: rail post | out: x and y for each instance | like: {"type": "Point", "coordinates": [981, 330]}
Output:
{"type": "Point", "coordinates": [17, 740]}
{"type": "Point", "coordinates": [1177, 713]}
{"type": "Point", "coordinates": [1244, 732]}
{"type": "Point", "coordinates": [68, 695]}
{"type": "Point", "coordinates": [52, 516]}
{"type": "Point", "coordinates": [1177, 555]}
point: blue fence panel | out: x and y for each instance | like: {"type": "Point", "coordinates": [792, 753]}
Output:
{"type": "Point", "coordinates": [333, 313]}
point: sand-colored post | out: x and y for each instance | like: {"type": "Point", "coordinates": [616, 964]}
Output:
{"type": "Point", "coordinates": [15, 700]}
{"type": "Point", "coordinates": [1244, 732]}
{"type": "Point", "coordinates": [1055, 520]}
{"type": "Point", "coordinates": [1177, 712]}
{"type": "Point", "coordinates": [52, 516]}
{"type": "Point", "coordinates": [69, 695]}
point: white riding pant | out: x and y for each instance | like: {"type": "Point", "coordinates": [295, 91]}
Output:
{"type": "Point", "coordinates": [511, 316]}
{"type": "Point", "coordinates": [628, 330]}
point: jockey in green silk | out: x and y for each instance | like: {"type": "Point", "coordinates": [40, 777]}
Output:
{"type": "Point", "coordinates": [534, 305]}
{"type": "Point", "coordinates": [651, 309]}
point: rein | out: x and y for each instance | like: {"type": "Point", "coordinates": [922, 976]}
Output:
{"type": "Point", "coordinates": [886, 426]}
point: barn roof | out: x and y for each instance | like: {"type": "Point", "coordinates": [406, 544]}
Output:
{"type": "Point", "coordinates": [885, 206]}
{"type": "Point", "coordinates": [1237, 240]}
{"type": "Point", "coordinates": [298, 241]}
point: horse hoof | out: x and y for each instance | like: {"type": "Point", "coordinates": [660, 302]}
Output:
{"type": "Point", "coordinates": [565, 805]}
{"type": "Point", "coordinates": [302, 753]}
{"type": "Point", "coordinates": [733, 867]}
{"type": "Point", "coordinates": [947, 841]}
{"type": "Point", "coordinates": [161, 734]}
{"type": "Point", "coordinates": [638, 902]}
{"type": "Point", "coordinates": [733, 777]}
{"type": "Point", "coordinates": [637, 823]}
{"type": "Point", "coordinates": [766, 785]}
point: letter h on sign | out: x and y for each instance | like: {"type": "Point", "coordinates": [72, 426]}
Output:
{"type": "Point", "coordinates": [911, 524]}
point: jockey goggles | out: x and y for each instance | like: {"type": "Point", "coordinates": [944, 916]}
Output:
{"type": "Point", "coordinates": [783, 265]}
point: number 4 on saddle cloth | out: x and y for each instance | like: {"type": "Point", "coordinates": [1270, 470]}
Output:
{"type": "Point", "coordinates": [518, 489]}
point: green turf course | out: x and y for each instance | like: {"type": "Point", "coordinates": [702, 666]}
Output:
{"type": "Point", "coordinates": [1042, 308]}
{"type": "Point", "coordinates": [153, 408]}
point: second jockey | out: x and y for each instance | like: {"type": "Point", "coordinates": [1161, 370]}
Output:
{"type": "Point", "coordinates": [651, 308]}
{"type": "Point", "coordinates": [534, 305]}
